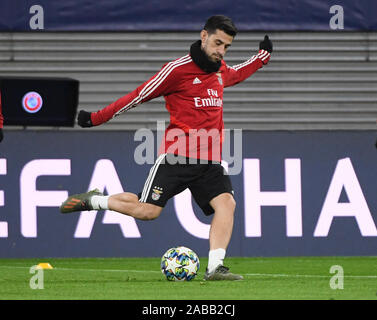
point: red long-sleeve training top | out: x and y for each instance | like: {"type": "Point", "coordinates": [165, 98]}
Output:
{"type": "Point", "coordinates": [194, 100]}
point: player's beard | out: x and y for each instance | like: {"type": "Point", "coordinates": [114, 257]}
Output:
{"type": "Point", "coordinates": [203, 60]}
{"type": "Point", "coordinates": [212, 56]}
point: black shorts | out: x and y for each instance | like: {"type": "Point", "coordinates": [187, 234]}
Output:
{"type": "Point", "coordinates": [168, 178]}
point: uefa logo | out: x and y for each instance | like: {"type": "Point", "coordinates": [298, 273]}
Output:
{"type": "Point", "coordinates": [32, 102]}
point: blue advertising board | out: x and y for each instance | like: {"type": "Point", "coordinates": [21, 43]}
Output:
{"type": "Point", "coordinates": [178, 15]}
{"type": "Point", "coordinates": [297, 194]}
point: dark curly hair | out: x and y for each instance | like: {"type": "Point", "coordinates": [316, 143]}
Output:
{"type": "Point", "coordinates": [220, 22]}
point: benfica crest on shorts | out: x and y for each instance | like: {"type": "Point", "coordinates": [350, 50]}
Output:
{"type": "Point", "coordinates": [219, 78]}
{"type": "Point", "coordinates": [157, 191]}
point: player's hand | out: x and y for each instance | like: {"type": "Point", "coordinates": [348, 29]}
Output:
{"type": "Point", "coordinates": [266, 44]}
{"type": "Point", "coordinates": [84, 120]}
{"type": "Point", "coordinates": [265, 49]}
{"type": "Point", "coordinates": [1, 135]}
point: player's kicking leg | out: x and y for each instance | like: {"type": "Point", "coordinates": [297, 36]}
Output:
{"type": "Point", "coordinates": [126, 203]}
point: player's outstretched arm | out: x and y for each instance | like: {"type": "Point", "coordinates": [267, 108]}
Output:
{"type": "Point", "coordinates": [162, 83]}
{"type": "Point", "coordinates": [242, 71]}
{"type": "Point", "coordinates": [87, 119]}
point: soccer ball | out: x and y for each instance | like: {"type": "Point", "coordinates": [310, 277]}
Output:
{"type": "Point", "coordinates": [180, 264]}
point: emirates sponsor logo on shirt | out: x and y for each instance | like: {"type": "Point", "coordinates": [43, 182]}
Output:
{"type": "Point", "coordinates": [212, 100]}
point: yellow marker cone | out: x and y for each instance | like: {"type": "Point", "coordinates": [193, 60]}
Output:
{"type": "Point", "coordinates": [44, 266]}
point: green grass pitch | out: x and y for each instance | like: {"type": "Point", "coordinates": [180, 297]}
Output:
{"type": "Point", "coordinates": [289, 278]}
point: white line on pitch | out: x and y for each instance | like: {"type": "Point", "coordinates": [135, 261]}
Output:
{"type": "Point", "coordinates": [305, 275]}
{"type": "Point", "coordinates": [78, 269]}
{"type": "Point", "coordinates": [246, 274]}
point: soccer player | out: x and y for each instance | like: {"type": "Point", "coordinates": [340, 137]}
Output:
{"type": "Point", "coordinates": [193, 90]}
